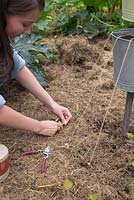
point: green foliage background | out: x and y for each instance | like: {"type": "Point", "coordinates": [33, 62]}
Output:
{"type": "Point", "coordinates": [70, 17]}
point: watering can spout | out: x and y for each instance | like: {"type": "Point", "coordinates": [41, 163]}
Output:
{"type": "Point", "coordinates": [128, 10]}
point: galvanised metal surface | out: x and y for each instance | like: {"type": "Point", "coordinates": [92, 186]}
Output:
{"type": "Point", "coordinates": [123, 55]}
{"type": "Point", "coordinates": [128, 10]}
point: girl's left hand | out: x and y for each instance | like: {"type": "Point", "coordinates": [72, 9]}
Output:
{"type": "Point", "coordinates": [62, 112]}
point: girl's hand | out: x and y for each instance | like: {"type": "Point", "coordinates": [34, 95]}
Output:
{"type": "Point", "coordinates": [61, 112]}
{"type": "Point", "coordinates": [49, 128]}
{"type": "Point", "coordinates": [38, 91]}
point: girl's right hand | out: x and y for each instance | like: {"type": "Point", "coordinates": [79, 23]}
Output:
{"type": "Point", "coordinates": [49, 128]}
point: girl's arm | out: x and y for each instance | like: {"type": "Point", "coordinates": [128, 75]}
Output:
{"type": "Point", "coordinates": [28, 80]}
{"type": "Point", "coordinates": [13, 119]}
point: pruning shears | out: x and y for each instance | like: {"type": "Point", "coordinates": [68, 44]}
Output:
{"type": "Point", "coordinates": [44, 152]}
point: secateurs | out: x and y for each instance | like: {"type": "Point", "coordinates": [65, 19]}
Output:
{"type": "Point", "coordinates": [44, 152]}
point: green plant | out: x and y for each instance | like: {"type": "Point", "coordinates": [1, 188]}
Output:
{"type": "Point", "coordinates": [132, 189]}
{"type": "Point", "coordinates": [68, 184]}
{"type": "Point", "coordinates": [94, 197]}
{"type": "Point", "coordinates": [71, 17]}
{"type": "Point", "coordinates": [32, 51]}
{"type": "Point", "coordinates": [132, 163]}
{"type": "Point", "coordinates": [130, 135]}
{"type": "Point", "coordinates": [77, 111]}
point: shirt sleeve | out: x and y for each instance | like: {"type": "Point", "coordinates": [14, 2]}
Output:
{"type": "Point", "coordinates": [2, 101]}
{"type": "Point", "coordinates": [19, 63]}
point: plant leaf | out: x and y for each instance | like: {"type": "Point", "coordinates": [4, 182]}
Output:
{"type": "Point", "coordinates": [132, 163]}
{"type": "Point", "coordinates": [130, 135]}
{"type": "Point", "coordinates": [29, 48]}
{"type": "Point", "coordinates": [94, 197]}
{"type": "Point", "coordinates": [68, 184]}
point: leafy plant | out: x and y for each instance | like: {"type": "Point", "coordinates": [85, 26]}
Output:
{"type": "Point", "coordinates": [94, 197]}
{"type": "Point", "coordinates": [132, 163]}
{"type": "Point", "coordinates": [130, 135]}
{"type": "Point", "coordinates": [69, 17]}
{"type": "Point", "coordinates": [77, 112]}
{"type": "Point", "coordinates": [72, 17]}
{"type": "Point", "coordinates": [30, 49]}
{"type": "Point", "coordinates": [68, 184]}
{"type": "Point", "coordinates": [132, 189]}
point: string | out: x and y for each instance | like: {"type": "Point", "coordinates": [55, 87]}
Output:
{"type": "Point", "coordinates": [104, 119]}
{"type": "Point", "coordinates": [94, 90]}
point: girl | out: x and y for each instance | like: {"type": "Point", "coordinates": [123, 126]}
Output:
{"type": "Point", "coordinates": [17, 17]}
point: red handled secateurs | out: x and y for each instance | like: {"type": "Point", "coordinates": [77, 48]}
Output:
{"type": "Point", "coordinates": [44, 152]}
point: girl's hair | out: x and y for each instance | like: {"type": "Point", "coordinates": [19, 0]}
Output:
{"type": "Point", "coordinates": [12, 7]}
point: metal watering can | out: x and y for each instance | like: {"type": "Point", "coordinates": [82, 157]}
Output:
{"type": "Point", "coordinates": [128, 10]}
{"type": "Point", "coordinates": [123, 55]}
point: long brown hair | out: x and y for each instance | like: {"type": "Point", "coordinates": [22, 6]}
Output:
{"type": "Point", "coordinates": [12, 7]}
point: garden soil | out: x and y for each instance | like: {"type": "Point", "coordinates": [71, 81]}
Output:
{"type": "Point", "coordinates": [88, 156]}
